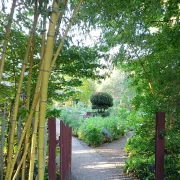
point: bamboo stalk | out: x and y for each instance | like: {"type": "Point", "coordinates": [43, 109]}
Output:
{"type": "Point", "coordinates": [1, 147]}
{"type": "Point", "coordinates": [27, 125]}
{"type": "Point", "coordinates": [65, 34]}
{"type": "Point", "coordinates": [19, 136]}
{"type": "Point", "coordinates": [1, 151]}
{"type": "Point", "coordinates": [19, 166]}
{"type": "Point", "coordinates": [27, 108]}
{"type": "Point", "coordinates": [28, 122]}
{"type": "Point", "coordinates": [3, 131]}
{"type": "Point", "coordinates": [30, 75]}
{"type": "Point", "coordinates": [33, 146]}
{"type": "Point", "coordinates": [46, 73]}
{"type": "Point", "coordinates": [5, 44]}
{"type": "Point", "coordinates": [33, 143]}
{"type": "Point", "coordinates": [45, 143]}
{"type": "Point", "coordinates": [43, 40]}
{"type": "Point", "coordinates": [16, 106]}
{"type": "Point", "coordinates": [3, 127]}
{"type": "Point", "coordinates": [28, 101]}
{"type": "Point", "coordinates": [26, 128]}
{"type": "Point", "coordinates": [44, 87]}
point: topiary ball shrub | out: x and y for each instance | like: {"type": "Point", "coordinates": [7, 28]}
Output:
{"type": "Point", "coordinates": [101, 101]}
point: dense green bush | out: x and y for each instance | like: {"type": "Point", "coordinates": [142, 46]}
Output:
{"type": "Point", "coordinates": [90, 129]}
{"type": "Point", "coordinates": [101, 101]}
{"type": "Point", "coordinates": [53, 112]}
{"type": "Point", "coordinates": [73, 118]}
{"type": "Point", "coordinates": [141, 150]}
{"type": "Point", "coordinates": [92, 134]}
{"type": "Point", "coordinates": [113, 125]}
{"type": "Point", "coordinates": [105, 114]}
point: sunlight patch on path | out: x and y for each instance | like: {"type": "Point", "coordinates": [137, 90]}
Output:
{"type": "Point", "coordinates": [83, 151]}
{"type": "Point", "coordinates": [103, 165]}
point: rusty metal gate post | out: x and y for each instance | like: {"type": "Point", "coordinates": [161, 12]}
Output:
{"type": "Point", "coordinates": [52, 148]}
{"type": "Point", "coordinates": [159, 151]}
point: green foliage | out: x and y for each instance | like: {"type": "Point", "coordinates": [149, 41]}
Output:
{"type": "Point", "coordinates": [92, 134]}
{"type": "Point", "coordinates": [113, 125]}
{"type": "Point", "coordinates": [90, 129]}
{"type": "Point", "coordinates": [117, 84]}
{"type": "Point", "coordinates": [84, 92]}
{"type": "Point", "coordinates": [101, 101]}
{"type": "Point", "coordinates": [141, 151]}
{"type": "Point", "coordinates": [147, 35]}
{"type": "Point", "coordinates": [53, 112]}
{"type": "Point", "coordinates": [73, 118]}
{"type": "Point", "coordinates": [46, 176]}
{"type": "Point", "coordinates": [104, 114]}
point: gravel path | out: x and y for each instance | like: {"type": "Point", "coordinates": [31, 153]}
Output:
{"type": "Point", "coordinates": [102, 163]}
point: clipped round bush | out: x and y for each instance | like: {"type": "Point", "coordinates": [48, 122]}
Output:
{"type": "Point", "coordinates": [101, 101]}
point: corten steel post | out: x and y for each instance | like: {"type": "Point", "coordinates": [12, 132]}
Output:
{"type": "Point", "coordinates": [52, 148]}
{"type": "Point", "coordinates": [159, 156]}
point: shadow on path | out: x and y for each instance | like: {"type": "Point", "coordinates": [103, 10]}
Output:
{"type": "Point", "coordinates": [102, 163]}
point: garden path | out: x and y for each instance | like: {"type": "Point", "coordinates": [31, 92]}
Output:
{"type": "Point", "coordinates": [102, 163]}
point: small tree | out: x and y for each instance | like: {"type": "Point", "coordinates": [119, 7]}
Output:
{"type": "Point", "coordinates": [101, 101]}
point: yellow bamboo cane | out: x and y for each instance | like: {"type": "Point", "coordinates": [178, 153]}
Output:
{"type": "Point", "coordinates": [45, 77]}
{"type": "Point", "coordinates": [5, 44]}
{"type": "Point", "coordinates": [44, 87]}
{"type": "Point", "coordinates": [19, 165]}
{"type": "Point", "coordinates": [35, 99]}
{"type": "Point", "coordinates": [29, 120]}
{"type": "Point", "coordinates": [65, 34]}
{"type": "Point", "coordinates": [16, 106]}
{"type": "Point", "coordinates": [27, 106]}
{"type": "Point", "coordinates": [26, 128]}
{"type": "Point", "coordinates": [33, 144]}
{"type": "Point", "coordinates": [18, 95]}
{"type": "Point", "coordinates": [28, 98]}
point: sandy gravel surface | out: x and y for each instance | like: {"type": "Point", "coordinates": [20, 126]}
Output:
{"type": "Point", "coordinates": [101, 163]}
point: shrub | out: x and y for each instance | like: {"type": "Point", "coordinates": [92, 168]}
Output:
{"type": "Point", "coordinates": [105, 114]}
{"type": "Point", "coordinates": [101, 101]}
{"type": "Point", "coordinates": [92, 135]}
{"type": "Point", "coordinates": [90, 129]}
{"type": "Point", "coordinates": [73, 118]}
{"type": "Point", "coordinates": [53, 112]}
{"type": "Point", "coordinates": [115, 126]}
